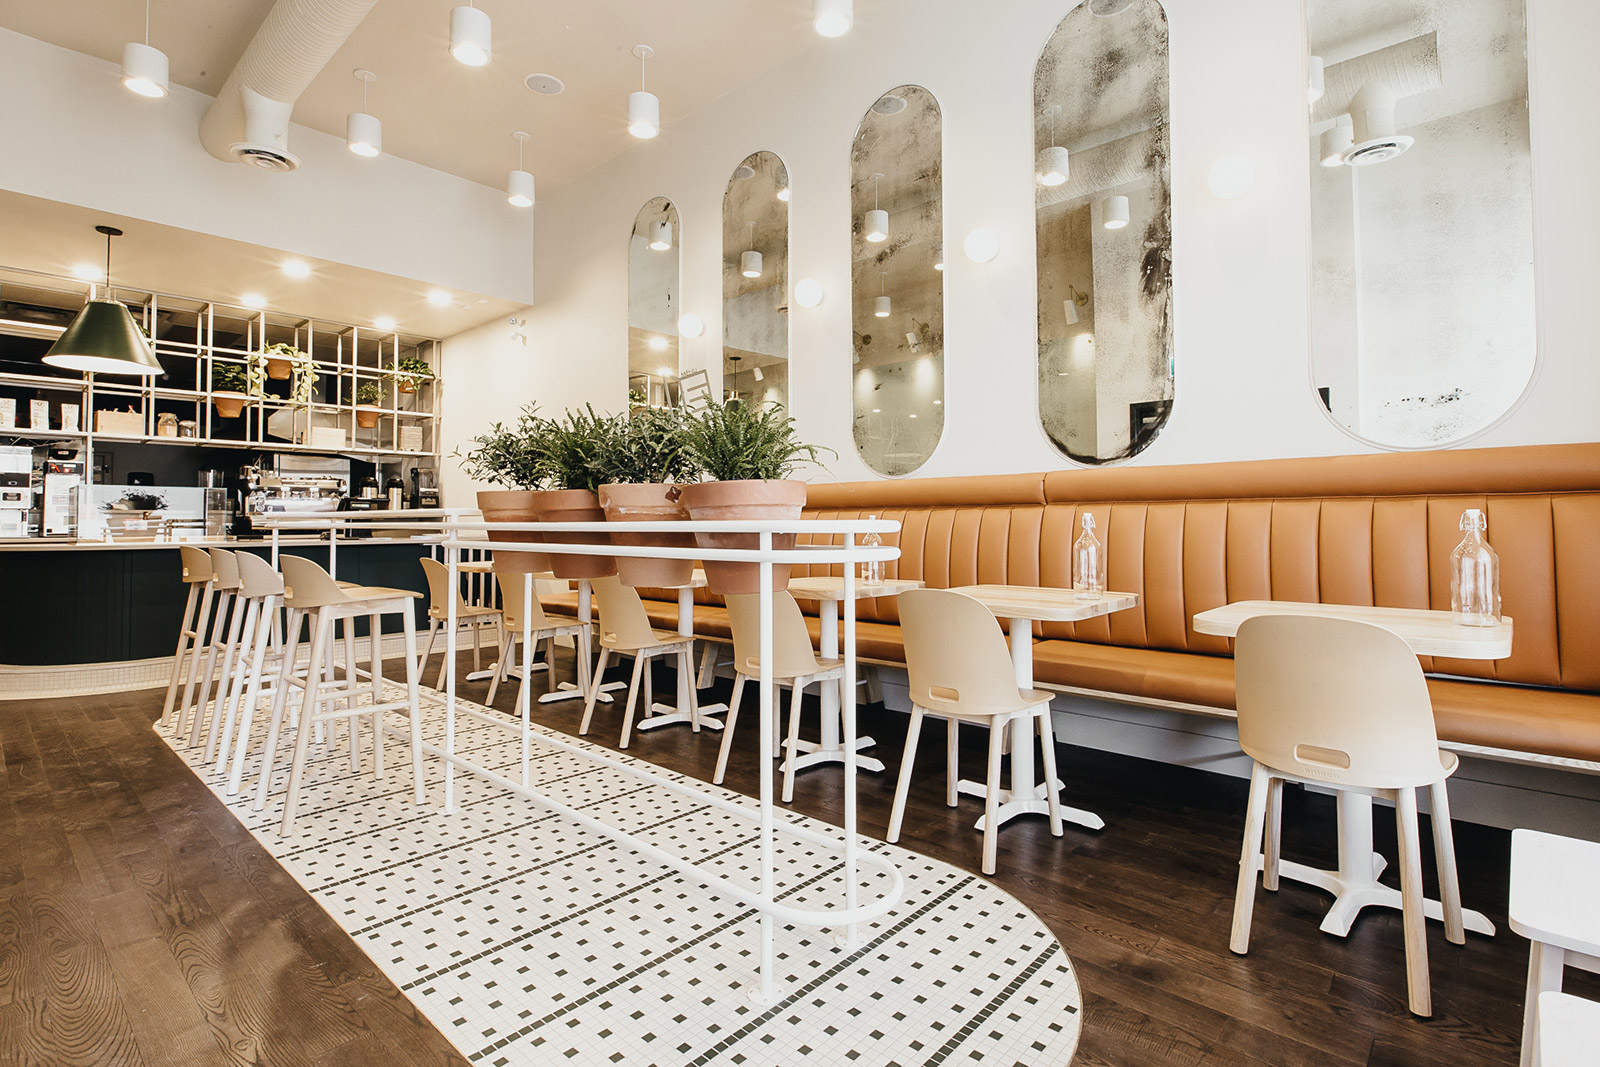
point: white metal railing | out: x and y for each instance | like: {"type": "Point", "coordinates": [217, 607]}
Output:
{"type": "Point", "coordinates": [455, 535]}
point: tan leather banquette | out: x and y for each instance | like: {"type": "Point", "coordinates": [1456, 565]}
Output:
{"type": "Point", "coordinates": [1375, 529]}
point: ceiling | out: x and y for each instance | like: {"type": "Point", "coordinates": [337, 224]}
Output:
{"type": "Point", "coordinates": [459, 119]}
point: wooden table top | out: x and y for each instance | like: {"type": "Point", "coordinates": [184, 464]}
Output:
{"type": "Point", "coordinates": [1046, 604]}
{"type": "Point", "coordinates": [1428, 633]}
{"type": "Point", "coordinates": [829, 587]}
{"type": "Point", "coordinates": [1554, 882]}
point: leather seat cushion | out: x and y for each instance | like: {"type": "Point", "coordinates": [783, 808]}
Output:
{"type": "Point", "coordinates": [874, 640]}
{"type": "Point", "coordinates": [1150, 673]}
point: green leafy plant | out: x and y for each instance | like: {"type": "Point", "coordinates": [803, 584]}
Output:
{"type": "Point", "coordinates": [738, 441]}
{"type": "Point", "coordinates": [652, 446]}
{"type": "Point", "coordinates": [569, 448]}
{"type": "Point", "coordinates": [505, 456]}
{"type": "Point", "coordinates": [369, 393]}
{"type": "Point", "coordinates": [411, 367]}
{"type": "Point", "coordinates": [230, 378]}
{"type": "Point", "coordinates": [305, 371]}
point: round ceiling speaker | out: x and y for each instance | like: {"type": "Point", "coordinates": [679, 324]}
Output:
{"type": "Point", "coordinates": [744, 171]}
{"type": "Point", "coordinates": [889, 104]}
{"type": "Point", "coordinates": [545, 84]}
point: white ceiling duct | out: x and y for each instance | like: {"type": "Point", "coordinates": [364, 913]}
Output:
{"type": "Point", "coordinates": [1368, 86]}
{"type": "Point", "coordinates": [1103, 167]}
{"type": "Point", "coordinates": [249, 120]}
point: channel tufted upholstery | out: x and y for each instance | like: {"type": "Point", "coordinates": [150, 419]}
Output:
{"type": "Point", "coordinates": [1373, 529]}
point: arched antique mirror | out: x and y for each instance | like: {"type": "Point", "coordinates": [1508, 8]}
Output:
{"type": "Point", "coordinates": [653, 306]}
{"type": "Point", "coordinates": [1102, 188]}
{"type": "Point", "coordinates": [897, 280]}
{"type": "Point", "coordinates": [1422, 292]}
{"type": "Point", "coordinates": [755, 281]}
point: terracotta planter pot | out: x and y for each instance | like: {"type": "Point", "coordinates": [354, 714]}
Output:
{"type": "Point", "coordinates": [651, 502]}
{"type": "Point", "coordinates": [279, 369]}
{"type": "Point", "coordinates": [367, 417]}
{"type": "Point", "coordinates": [575, 505]}
{"type": "Point", "coordinates": [406, 385]}
{"type": "Point", "coordinates": [753, 500]}
{"type": "Point", "coordinates": [513, 505]}
{"type": "Point", "coordinates": [229, 403]}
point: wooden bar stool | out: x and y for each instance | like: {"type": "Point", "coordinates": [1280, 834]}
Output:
{"type": "Point", "coordinates": [309, 591]}
{"type": "Point", "coordinates": [959, 667]}
{"type": "Point", "coordinates": [625, 630]}
{"type": "Point", "coordinates": [473, 615]}
{"type": "Point", "coordinates": [795, 664]}
{"type": "Point", "coordinates": [1342, 704]}
{"type": "Point", "coordinates": [224, 636]}
{"type": "Point", "coordinates": [261, 589]}
{"type": "Point", "coordinates": [197, 573]}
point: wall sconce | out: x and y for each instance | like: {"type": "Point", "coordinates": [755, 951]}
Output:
{"type": "Point", "coordinates": [808, 292]}
{"type": "Point", "coordinates": [1072, 303]}
{"type": "Point", "coordinates": [691, 325]}
{"type": "Point", "coordinates": [982, 245]}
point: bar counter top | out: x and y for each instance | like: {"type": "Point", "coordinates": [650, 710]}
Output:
{"type": "Point", "coordinates": [67, 544]}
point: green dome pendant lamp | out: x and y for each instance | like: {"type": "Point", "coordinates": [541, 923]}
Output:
{"type": "Point", "coordinates": [104, 339]}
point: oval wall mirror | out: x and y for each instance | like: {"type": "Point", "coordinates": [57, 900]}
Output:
{"type": "Point", "coordinates": [653, 306]}
{"type": "Point", "coordinates": [1422, 282]}
{"type": "Point", "coordinates": [1103, 218]}
{"type": "Point", "coordinates": [897, 280]}
{"type": "Point", "coordinates": [755, 281]}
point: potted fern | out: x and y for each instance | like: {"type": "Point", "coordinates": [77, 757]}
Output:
{"type": "Point", "coordinates": [644, 465]}
{"type": "Point", "coordinates": [369, 398]}
{"type": "Point", "coordinates": [568, 451]}
{"type": "Point", "coordinates": [749, 451]}
{"type": "Point", "coordinates": [505, 457]}
{"type": "Point", "coordinates": [230, 389]}
{"type": "Point", "coordinates": [410, 372]}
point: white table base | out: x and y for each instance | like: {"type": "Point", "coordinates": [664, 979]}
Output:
{"type": "Point", "coordinates": [830, 747]}
{"type": "Point", "coordinates": [659, 714]}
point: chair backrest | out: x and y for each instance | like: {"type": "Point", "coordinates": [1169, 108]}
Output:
{"type": "Point", "coordinates": [196, 563]}
{"type": "Point", "coordinates": [306, 585]}
{"type": "Point", "coordinates": [792, 654]}
{"type": "Point", "coordinates": [439, 591]}
{"type": "Point", "coordinates": [225, 570]}
{"type": "Point", "coordinates": [510, 580]}
{"type": "Point", "coordinates": [1334, 700]}
{"type": "Point", "coordinates": [256, 576]}
{"type": "Point", "coordinates": [623, 622]}
{"type": "Point", "coordinates": [957, 659]}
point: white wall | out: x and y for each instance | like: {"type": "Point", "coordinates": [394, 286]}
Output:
{"type": "Point", "coordinates": [1241, 267]}
{"type": "Point", "coordinates": [73, 134]}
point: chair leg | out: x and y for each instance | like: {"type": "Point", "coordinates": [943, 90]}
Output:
{"type": "Point", "coordinates": [1274, 835]}
{"type": "Point", "coordinates": [375, 683]}
{"type": "Point", "coordinates": [195, 651]}
{"type": "Point", "coordinates": [353, 723]}
{"type": "Point", "coordinates": [796, 701]}
{"type": "Point", "coordinates": [477, 646]}
{"type": "Point", "coordinates": [897, 812]}
{"type": "Point", "coordinates": [874, 685]}
{"type": "Point", "coordinates": [1047, 745]}
{"type": "Point", "coordinates": [952, 759]}
{"type": "Point", "coordinates": [308, 712]}
{"type": "Point", "coordinates": [594, 690]}
{"type": "Point", "coordinates": [219, 734]}
{"type": "Point", "coordinates": [639, 662]}
{"type": "Point", "coordinates": [991, 795]}
{"type": "Point", "coordinates": [1444, 847]}
{"type": "Point", "coordinates": [280, 702]}
{"type": "Point", "coordinates": [727, 730]}
{"type": "Point", "coordinates": [258, 656]}
{"type": "Point", "coordinates": [1244, 896]}
{"type": "Point", "coordinates": [444, 663]}
{"type": "Point", "coordinates": [708, 665]}
{"type": "Point", "coordinates": [414, 704]}
{"type": "Point", "coordinates": [1405, 815]}
{"type": "Point", "coordinates": [501, 668]}
{"type": "Point", "coordinates": [433, 631]}
{"type": "Point", "coordinates": [219, 621]}
{"type": "Point", "coordinates": [686, 671]}
{"type": "Point", "coordinates": [649, 684]}
{"type": "Point", "coordinates": [177, 657]}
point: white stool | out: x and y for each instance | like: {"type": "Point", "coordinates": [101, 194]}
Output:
{"type": "Point", "coordinates": [225, 624]}
{"type": "Point", "coordinates": [1569, 1030]}
{"type": "Point", "coordinates": [1555, 904]}
{"type": "Point", "coordinates": [311, 591]}
{"type": "Point", "coordinates": [196, 572]}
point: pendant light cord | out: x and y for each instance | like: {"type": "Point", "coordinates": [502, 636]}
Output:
{"type": "Point", "coordinates": [875, 194]}
{"type": "Point", "coordinates": [146, 41]}
{"type": "Point", "coordinates": [109, 289]}
{"type": "Point", "coordinates": [641, 73]}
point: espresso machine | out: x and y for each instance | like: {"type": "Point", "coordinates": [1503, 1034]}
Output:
{"type": "Point", "coordinates": [424, 487]}
{"type": "Point", "coordinates": [296, 485]}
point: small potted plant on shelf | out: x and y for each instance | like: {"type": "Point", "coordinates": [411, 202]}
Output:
{"type": "Point", "coordinates": [281, 360]}
{"type": "Point", "coordinates": [230, 388]}
{"type": "Point", "coordinates": [504, 457]}
{"type": "Point", "coordinates": [643, 466]}
{"type": "Point", "coordinates": [369, 398]}
{"type": "Point", "coordinates": [410, 372]}
{"type": "Point", "coordinates": [569, 450]}
{"type": "Point", "coordinates": [749, 451]}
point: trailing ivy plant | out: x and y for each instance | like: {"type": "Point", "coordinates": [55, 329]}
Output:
{"type": "Point", "coordinates": [506, 456]}
{"type": "Point", "coordinates": [652, 446]}
{"type": "Point", "coordinates": [569, 449]}
{"type": "Point", "coordinates": [739, 441]}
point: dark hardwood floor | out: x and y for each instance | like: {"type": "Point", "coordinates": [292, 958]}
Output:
{"type": "Point", "coordinates": [140, 924]}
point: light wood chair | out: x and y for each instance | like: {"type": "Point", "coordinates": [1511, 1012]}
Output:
{"type": "Point", "coordinates": [261, 589]}
{"type": "Point", "coordinates": [1342, 704]}
{"type": "Point", "coordinates": [625, 630]}
{"type": "Point", "coordinates": [959, 668]}
{"type": "Point", "coordinates": [467, 615]}
{"type": "Point", "coordinates": [536, 627]}
{"type": "Point", "coordinates": [226, 621]}
{"type": "Point", "coordinates": [310, 592]}
{"type": "Point", "coordinates": [197, 573]}
{"type": "Point", "coordinates": [794, 663]}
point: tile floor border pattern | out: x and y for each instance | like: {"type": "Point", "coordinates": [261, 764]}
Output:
{"type": "Point", "coordinates": [525, 938]}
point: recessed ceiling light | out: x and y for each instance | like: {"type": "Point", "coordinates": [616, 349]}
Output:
{"type": "Point", "coordinates": [297, 268]}
{"type": "Point", "coordinates": [545, 84]}
{"type": "Point", "coordinates": [439, 298]}
{"type": "Point", "coordinates": [384, 323]}
{"type": "Point", "coordinates": [832, 18]}
{"type": "Point", "coordinates": [877, 411]}
{"type": "Point", "coordinates": [87, 272]}
{"type": "Point", "coordinates": [253, 300]}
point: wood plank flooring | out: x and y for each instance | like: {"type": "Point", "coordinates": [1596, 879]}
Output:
{"type": "Point", "coordinates": [139, 924]}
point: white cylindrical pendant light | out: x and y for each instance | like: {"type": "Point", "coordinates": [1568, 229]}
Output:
{"type": "Point", "coordinates": [832, 18]}
{"type": "Point", "coordinates": [470, 35]}
{"type": "Point", "coordinates": [1316, 83]}
{"type": "Point", "coordinates": [1116, 212]}
{"type": "Point", "coordinates": [876, 226]}
{"type": "Point", "coordinates": [144, 69]}
{"type": "Point", "coordinates": [750, 264]}
{"type": "Point", "coordinates": [363, 133]}
{"type": "Point", "coordinates": [880, 307]}
{"type": "Point", "coordinates": [660, 236]}
{"type": "Point", "coordinates": [519, 185]}
{"type": "Point", "coordinates": [1052, 166]}
{"type": "Point", "coordinates": [1070, 309]}
{"type": "Point", "coordinates": [644, 110]}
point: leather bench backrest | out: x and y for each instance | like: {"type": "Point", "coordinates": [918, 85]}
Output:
{"type": "Point", "coordinates": [1376, 529]}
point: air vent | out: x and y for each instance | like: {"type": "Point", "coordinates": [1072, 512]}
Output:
{"type": "Point", "coordinates": [545, 84]}
{"type": "Point", "coordinates": [1377, 150]}
{"type": "Point", "coordinates": [263, 157]}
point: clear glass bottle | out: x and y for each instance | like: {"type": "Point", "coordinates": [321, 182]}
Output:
{"type": "Point", "coordinates": [1088, 562]}
{"type": "Point", "coordinates": [872, 569]}
{"type": "Point", "coordinates": [1474, 575]}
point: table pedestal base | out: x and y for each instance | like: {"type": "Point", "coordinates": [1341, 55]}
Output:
{"type": "Point", "coordinates": [516, 672]}
{"type": "Point", "coordinates": [815, 754]}
{"type": "Point", "coordinates": [1352, 893]}
{"type": "Point", "coordinates": [568, 691]}
{"type": "Point", "coordinates": [1029, 802]}
{"type": "Point", "coordinates": [667, 715]}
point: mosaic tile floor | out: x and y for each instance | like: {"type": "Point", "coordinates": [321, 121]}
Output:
{"type": "Point", "coordinates": [527, 938]}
